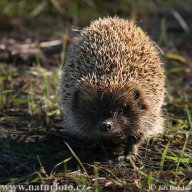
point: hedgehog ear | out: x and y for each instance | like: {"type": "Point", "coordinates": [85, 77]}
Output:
{"type": "Point", "coordinates": [136, 94]}
{"type": "Point", "coordinates": [140, 101]}
{"type": "Point", "coordinates": [143, 106]}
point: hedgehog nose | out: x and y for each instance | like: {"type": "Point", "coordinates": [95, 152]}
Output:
{"type": "Point", "coordinates": [104, 126]}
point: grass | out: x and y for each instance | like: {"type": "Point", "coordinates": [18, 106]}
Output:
{"type": "Point", "coordinates": [34, 148]}
{"type": "Point", "coordinates": [30, 159]}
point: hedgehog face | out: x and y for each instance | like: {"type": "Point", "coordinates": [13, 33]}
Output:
{"type": "Point", "coordinates": [108, 114]}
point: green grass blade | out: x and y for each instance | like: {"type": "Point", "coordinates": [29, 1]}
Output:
{"type": "Point", "coordinates": [77, 158]}
{"type": "Point", "coordinates": [164, 156]}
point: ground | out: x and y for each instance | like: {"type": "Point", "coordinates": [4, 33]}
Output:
{"type": "Point", "coordinates": [33, 144]}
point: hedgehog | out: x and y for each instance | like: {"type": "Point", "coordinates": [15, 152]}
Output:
{"type": "Point", "coordinates": [112, 84]}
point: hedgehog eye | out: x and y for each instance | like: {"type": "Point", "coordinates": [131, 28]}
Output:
{"type": "Point", "coordinates": [120, 111]}
{"type": "Point", "coordinates": [136, 94]}
{"type": "Point", "coordinates": [93, 111]}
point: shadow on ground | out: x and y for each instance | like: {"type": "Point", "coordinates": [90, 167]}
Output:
{"type": "Point", "coordinates": [28, 147]}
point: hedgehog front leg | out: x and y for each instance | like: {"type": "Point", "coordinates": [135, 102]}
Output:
{"type": "Point", "coordinates": [132, 146]}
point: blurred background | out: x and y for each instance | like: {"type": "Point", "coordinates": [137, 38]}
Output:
{"type": "Point", "coordinates": [34, 37]}
{"type": "Point", "coordinates": [168, 22]}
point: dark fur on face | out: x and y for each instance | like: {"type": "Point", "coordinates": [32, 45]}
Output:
{"type": "Point", "coordinates": [121, 108]}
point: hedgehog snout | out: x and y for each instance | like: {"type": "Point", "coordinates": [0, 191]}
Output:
{"type": "Point", "coordinates": [104, 126]}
